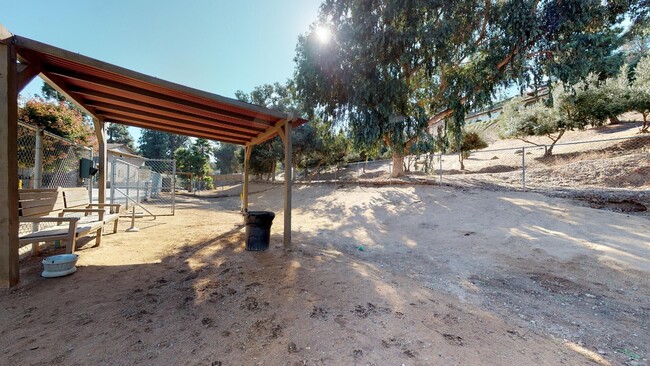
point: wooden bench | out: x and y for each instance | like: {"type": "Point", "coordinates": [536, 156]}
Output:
{"type": "Point", "coordinates": [39, 206]}
{"type": "Point", "coordinates": [78, 200]}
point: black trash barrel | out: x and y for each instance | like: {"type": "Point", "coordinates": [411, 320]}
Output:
{"type": "Point", "coordinates": [258, 229]}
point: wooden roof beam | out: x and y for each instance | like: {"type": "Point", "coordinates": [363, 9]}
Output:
{"type": "Point", "coordinates": [277, 129]}
{"type": "Point", "coordinates": [101, 106]}
{"type": "Point", "coordinates": [134, 122]}
{"type": "Point", "coordinates": [26, 73]}
{"type": "Point", "coordinates": [119, 88]}
{"type": "Point", "coordinates": [86, 88]}
{"type": "Point", "coordinates": [60, 86]}
{"type": "Point", "coordinates": [99, 97]}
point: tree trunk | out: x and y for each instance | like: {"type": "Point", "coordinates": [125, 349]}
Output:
{"type": "Point", "coordinates": [398, 165]}
{"type": "Point", "coordinates": [316, 171]}
{"type": "Point", "coordinates": [549, 152]}
{"type": "Point", "coordinates": [273, 171]}
{"type": "Point", "coordinates": [461, 160]}
{"type": "Point", "coordinates": [644, 129]}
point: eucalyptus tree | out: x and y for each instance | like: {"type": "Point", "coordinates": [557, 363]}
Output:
{"type": "Point", "coordinates": [265, 156]}
{"type": "Point", "coordinates": [225, 158]}
{"type": "Point", "coordinates": [195, 159]}
{"type": "Point", "coordinates": [160, 145]}
{"type": "Point", "coordinates": [314, 143]}
{"type": "Point", "coordinates": [392, 67]}
{"type": "Point", "coordinates": [118, 133]}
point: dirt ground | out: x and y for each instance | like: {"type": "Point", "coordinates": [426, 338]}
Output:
{"type": "Point", "coordinates": [398, 275]}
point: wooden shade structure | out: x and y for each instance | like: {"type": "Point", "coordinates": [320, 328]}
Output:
{"type": "Point", "coordinates": [111, 93]}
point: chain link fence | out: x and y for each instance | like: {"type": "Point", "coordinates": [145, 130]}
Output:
{"type": "Point", "coordinates": [46, 160]}
{"type": "Point", "coordinates": [617, 163]}
{"type": "Point", "coordinates": [146, 185]}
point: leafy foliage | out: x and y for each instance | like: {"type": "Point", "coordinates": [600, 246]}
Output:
{"type": "Point", "coordinates": [119, 134]}
{"type": "Point", "coordinates": [393, 66]}
{"type": "Point", "coordinates": [314, 143]}
{"type": "Point", "coordinates": [639, 99]}
{"type": "Point", "coordinates": [195, 160]}
{"type": "Point", "coordinates": [57, 118]}
{"type": "Point", "coordinates": [470, 141]}
{"type": "Point", "coordinates": [572, 107]}
{"type": "Point", "coordinates": [225, 158]}
{"type": "Point", "coordinates": [50, 93]}
{"type": "Point", "coordinates": [265, 156]}
{"type": "Point", "coordinates": [160, 145]}
{"type": "Point", "coordinates": [448, 139]}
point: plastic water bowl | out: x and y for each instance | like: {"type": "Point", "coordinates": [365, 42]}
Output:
{"type": "Point", "coordinates": [59, 265]}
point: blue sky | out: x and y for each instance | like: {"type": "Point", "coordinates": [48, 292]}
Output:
{"type": "Point", "coordinates": [216, 46]}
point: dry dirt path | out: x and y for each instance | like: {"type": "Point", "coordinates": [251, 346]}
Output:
{"type": "Point", "coordinates": [378, 276]}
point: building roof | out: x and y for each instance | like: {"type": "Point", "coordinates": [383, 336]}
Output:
{"type": "Point", "coordinates": [122, 149]}
{"type": "Point", "coordinates": [115, 94]}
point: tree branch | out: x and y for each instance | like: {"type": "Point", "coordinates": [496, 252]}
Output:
{"type": "Point", "coordinates": [529, 142]}
{"type": "Point", "coordinates": [485, 21]}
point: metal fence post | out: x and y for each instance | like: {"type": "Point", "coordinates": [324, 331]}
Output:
{"type": "Point", "coordinates": [113, 180]}
{"type": "Point", "coordinates": [90, 180]}
{"type": "Point", "coordinates": [173, 187]}
{"type": "Point", "coordinates": [440, 168]}
{"type": "Point", "coordinates": [128, 184]}
{"type": "Point", "coordinates": [137, 185]}
{"type": "Point", "coordinates": [523, 167]}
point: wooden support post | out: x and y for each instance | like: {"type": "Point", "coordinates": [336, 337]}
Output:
{"type": "Point", "coordinates": [9, 274]}
{"type": "Point", "coordinates": [100, 132]}
{"type": "Point", "coordinates": [247, 158]}
{"type": "Point", "coordinates": [25, 74]}
{"type": "Point", "coordinates": [288, 151]}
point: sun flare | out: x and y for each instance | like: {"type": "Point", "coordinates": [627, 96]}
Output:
{"type": "Point", "coordinates": [323, 34]}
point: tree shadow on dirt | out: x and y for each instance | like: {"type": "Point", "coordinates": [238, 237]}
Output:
{"type": "Point", "coordinates": [618, 127]}
{"type": "Point", "coordinates": [398, 230]}
{"type": "Point", "coordinates": [380, 271]}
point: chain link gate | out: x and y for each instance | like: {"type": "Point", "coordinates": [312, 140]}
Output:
{"type": "Point", "coordinates": [144, 184]}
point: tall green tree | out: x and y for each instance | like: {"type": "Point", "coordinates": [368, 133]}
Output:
{"type": "Point", "coordinates": [639, 99]}
{"type": "Point", "coordinates": [119, 134]}
{"type": "Point", "coordinates": [265, 156]}
{"type": "Point", "coordinates": [160, 145]}
{"type": "Point", "coordinates": [195, 159]}
{"type": "Point", "coordinates": [50, 93]}
{"type": "Point", "coordinates": [394, 66]}
{"type": "Point", "coordinates": [226, 159]}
